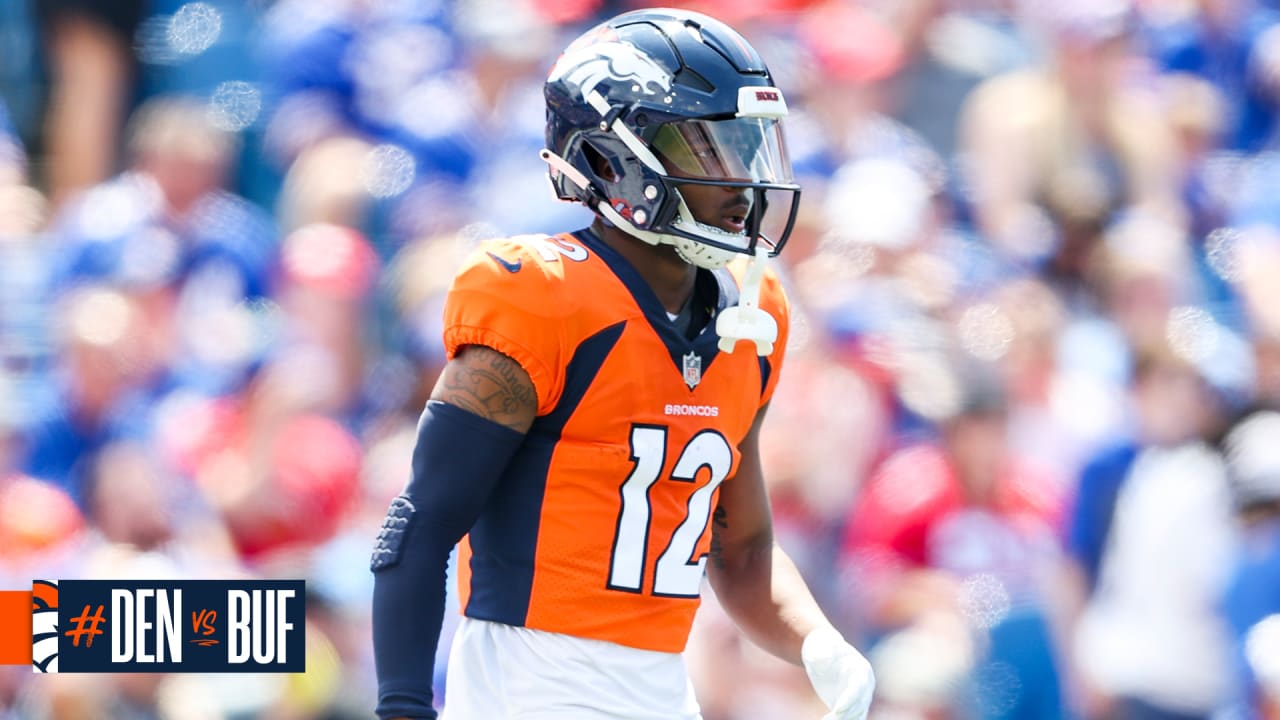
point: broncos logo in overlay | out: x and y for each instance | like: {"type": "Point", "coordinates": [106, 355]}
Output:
{"type": "Point", "coordinates": [44, 626]}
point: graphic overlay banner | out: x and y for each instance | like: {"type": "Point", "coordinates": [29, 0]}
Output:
{"type": "Point", "coordinates": [15, 627]}
{"type": "Point", "coordinates": [97, 626]}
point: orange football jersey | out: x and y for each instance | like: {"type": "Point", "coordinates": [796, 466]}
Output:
{"type": "Point", "coordinates": [599, 526]}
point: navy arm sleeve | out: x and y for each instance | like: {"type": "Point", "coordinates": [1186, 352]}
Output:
{"type": "Point", "coordinates": [457, 461]}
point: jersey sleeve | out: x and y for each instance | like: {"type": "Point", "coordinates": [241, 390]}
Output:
{"type": "Point", "coordinates": [506, 299]}
{"type": "Point", "coordinates": [773, 299]}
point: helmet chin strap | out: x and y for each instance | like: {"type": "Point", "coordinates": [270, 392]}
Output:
{"type": "Point", "coordinates": [703, 256]}
{"type": "Point", "coordinates": [697, 253]}
{"type": "Point", "coordinates": [746, 321]}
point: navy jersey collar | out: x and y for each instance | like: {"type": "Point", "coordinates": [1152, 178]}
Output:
{"type": "Point", "coordinates": [717, 288]}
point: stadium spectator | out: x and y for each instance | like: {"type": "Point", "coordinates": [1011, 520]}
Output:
{"type": "Point", "coordinates": [102, 388]}
{"type": "Point", "coordinates": [1087, 143]}
{"type": "Point", "coordinates": [24, 347]}
{"type": "Point", "coordinates": [1233, 45]}
{"type": "Point", "coordinates": [1149, 545]}
{"type": "Point", "coordinates": [189, 252]}
{"type": "Point", "coordinates": [372, 115]}
{"type": "Point", "coordinates": [1251, 602]}
{"type": "Point", "coordinates": [949, 541]}
{"type": "Point", "coordinates": [153, 269]}
{"type": "Point", "coordinates": [92, 70]}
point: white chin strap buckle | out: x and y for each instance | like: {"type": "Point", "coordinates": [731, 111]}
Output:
{"type": "Point", "coordinates": [746, 321]}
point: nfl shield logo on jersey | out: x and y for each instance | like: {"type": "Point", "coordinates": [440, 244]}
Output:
{"type": "Point", "coordinates": [692, 369]}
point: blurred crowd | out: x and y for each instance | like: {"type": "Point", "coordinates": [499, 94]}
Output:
{"type": "Point", "coordinates": [1026, 447]}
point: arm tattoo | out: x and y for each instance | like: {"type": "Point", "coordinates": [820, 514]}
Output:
{"type": "Point", "coordinates": [719, 522]}
{"type": "Point", "coordinates": [486, 382]}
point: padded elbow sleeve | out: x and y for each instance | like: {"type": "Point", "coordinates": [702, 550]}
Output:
{"type": "Point", "coordinates": [458, 459]}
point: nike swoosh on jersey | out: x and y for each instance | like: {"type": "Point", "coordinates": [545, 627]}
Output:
{"type": "Point", "coordinates": [506, 264]}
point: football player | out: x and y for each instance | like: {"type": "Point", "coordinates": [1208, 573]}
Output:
{"type": "Point", "coordinates": [593, 441]}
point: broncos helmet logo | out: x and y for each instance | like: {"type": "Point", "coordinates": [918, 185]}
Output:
{"type": "Point", "coordinates": [589, 64]}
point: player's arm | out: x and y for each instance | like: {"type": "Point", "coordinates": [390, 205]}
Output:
{"type": "Point", "coordinates": [763, 592]}
{"type": "Point", "coordinates": [753, 578]}
{"type": "Point", "coordinates": [477, 416]}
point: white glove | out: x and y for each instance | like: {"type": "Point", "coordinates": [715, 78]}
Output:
{"type": "Point", "coordinates": [839, 674]}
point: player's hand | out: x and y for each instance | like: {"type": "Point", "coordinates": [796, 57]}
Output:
{"type": "Point", "coordinates": [840, 675]}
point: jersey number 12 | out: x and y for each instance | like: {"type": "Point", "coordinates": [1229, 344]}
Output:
{"type": "Point", "coordinates": [676, 574]}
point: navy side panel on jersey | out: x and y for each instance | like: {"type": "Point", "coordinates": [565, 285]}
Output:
{"type": "Point", "coordinates": [504, 539]}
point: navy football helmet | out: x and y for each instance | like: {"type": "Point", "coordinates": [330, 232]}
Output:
{"type": "Point", "coordinates": [664, 98]}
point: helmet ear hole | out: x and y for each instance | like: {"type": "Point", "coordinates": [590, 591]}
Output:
{"type": "Point", "coordinates": [602, 165]}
